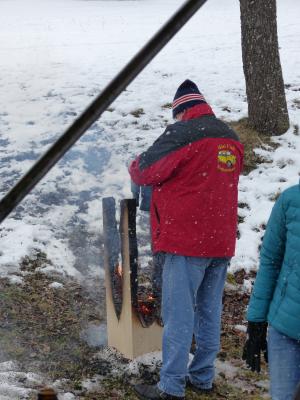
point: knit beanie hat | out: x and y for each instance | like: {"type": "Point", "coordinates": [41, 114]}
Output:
{"type": "Point", "coordinates": [187, 95]}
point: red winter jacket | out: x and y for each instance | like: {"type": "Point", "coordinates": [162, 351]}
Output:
{"type": "Point", "coordinates": [194, 169]}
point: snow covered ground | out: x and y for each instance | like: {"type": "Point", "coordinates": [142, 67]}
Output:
{"type": "Point", "coordinates": [57, 55]}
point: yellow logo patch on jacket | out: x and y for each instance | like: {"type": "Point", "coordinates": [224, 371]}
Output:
{"type": "Point", "coordinates": [226, 158]}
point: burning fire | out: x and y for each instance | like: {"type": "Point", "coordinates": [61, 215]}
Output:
{"type": "Point", "coordinates": [146, 307]}
{"type": "Point", "coordinates": [119, 270]}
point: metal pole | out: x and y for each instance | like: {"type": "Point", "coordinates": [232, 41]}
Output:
{"type": "Point", "coordinates": [97, 107]}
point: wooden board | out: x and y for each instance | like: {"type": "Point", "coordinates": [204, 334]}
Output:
{"type": "Point", "coordinates": [127, 334]}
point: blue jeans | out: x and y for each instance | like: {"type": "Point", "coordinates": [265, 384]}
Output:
{"type": "Point", "coordinates": [191, 304]}
{"type": "Point", "coordinates": [284, 365]}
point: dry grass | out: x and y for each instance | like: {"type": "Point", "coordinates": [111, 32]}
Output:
{"type": "Point", "coordinates": [41, 326]}
{"type": "Point", "coordinates": [251, 140]}
{"type": "Point", "coordinates": [41, 329]}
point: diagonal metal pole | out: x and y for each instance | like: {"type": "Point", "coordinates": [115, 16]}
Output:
{"type": "Point", "coordinates": [97, 107]}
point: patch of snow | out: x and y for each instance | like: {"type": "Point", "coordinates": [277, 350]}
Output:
{"type": "Point", "coordinates": [56, 285]}
{"type": "Point", "coordinates": [66, 396]}
{"type": "Point", "coordinates": [248, 285]}
{"type": "Point", "coordinates": [15, 279]}
{"type": "Point", "coordinates": [263, 384]}
{"type": "Point", "coordinates": [241, 328]}
{"type": "Point", "coordinates": [8, 366]}
{"type": "Point", "coordinates": [230, 286]}
{"type": "Point", "coordinates": [149, 359]}
{"type": "Point", "coordinates": [16, 385]}
{"type": "Point", "coordinates": [92, 384]}
{"type": "Point", "coordinates": [227, 369]}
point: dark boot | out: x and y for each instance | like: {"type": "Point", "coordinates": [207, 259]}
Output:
{"type": "Point", "coordinates": [197, 389]}
{"type": "Point", "coordinates": [151, 392]}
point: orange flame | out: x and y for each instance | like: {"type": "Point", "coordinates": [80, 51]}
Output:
{"type": "Point", "coordinates": [119, 270]}
{"type": "Point", "coordinates": [144, 309]}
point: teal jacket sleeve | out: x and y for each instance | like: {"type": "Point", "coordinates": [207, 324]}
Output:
{"type": "Point", "coordinates": [271, 258]}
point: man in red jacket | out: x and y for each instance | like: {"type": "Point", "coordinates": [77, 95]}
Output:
{"type": "Point", "coordinates": [194, 168]}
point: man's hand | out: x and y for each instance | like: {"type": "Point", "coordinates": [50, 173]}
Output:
{"type": "Point", "coordinates": [255, 344]}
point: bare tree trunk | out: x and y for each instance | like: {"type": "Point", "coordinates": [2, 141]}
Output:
{"type": "Point", "coordinates": [267, 107]}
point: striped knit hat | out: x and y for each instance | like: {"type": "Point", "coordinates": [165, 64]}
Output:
{"type": "Point", "coordinates": [187, 95]}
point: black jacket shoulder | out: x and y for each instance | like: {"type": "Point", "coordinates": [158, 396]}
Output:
{"type": "Point", "coordinates": [182, 133]}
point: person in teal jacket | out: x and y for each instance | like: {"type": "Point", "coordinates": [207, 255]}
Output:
{"type": "Point", "coordinates": [275, 300]}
